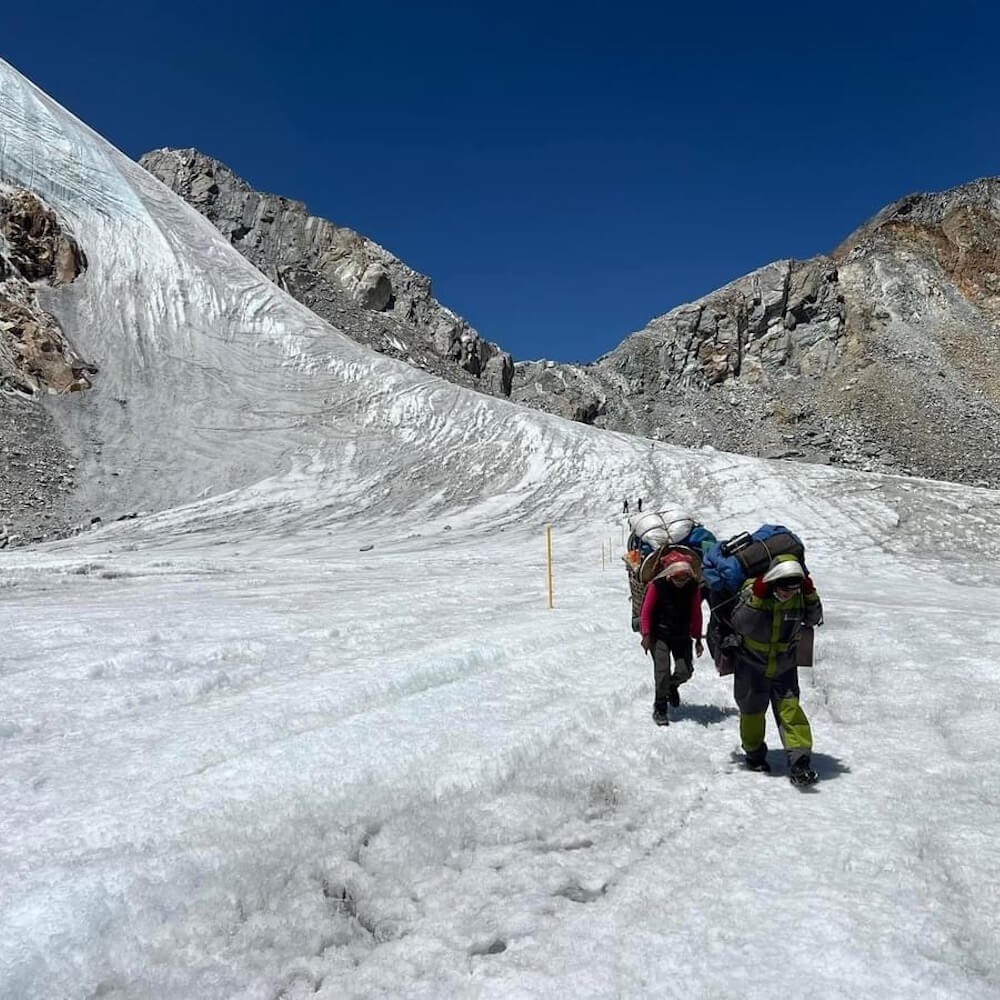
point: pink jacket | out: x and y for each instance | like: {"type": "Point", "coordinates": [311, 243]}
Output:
{"type": "Point", "coordinates": [648, 613]}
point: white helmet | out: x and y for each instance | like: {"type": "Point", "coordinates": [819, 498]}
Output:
{"type": "Point", "coordinates": [784, 568]}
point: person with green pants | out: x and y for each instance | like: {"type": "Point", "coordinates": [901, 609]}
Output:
{"type": "Point", "coordinates": [772, 611]}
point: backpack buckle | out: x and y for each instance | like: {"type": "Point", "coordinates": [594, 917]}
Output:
{"type": "Point", "coordinates": [736, 544]}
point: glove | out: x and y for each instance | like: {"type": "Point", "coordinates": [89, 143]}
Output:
{"type": "Point", "coordinates": [647, 642]}
{"type": "Point", "coordinates": [808, 587]}
{"type": "Point", "coordinates": [760, 588]}
{"type": "Point", "coordinates": [698, 647]}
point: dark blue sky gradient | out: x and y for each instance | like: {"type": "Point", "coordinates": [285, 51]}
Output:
{"type": "Point", "coordinates": [563, 173]}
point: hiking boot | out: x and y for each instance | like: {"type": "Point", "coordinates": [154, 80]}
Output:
{"type": "Point", "coordinates": [758, 765]}
{"type": "Point", "coordinates": [673, 696]}
{"type": "Point", "coordinates": [660, 717]}
{"type": "Point", "coordinates": [802, 774]}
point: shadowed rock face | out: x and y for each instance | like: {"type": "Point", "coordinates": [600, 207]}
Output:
{"type": "Point", "coordinates": [35, 355]}
{"type": "Point", "coordinates": [340, 275]}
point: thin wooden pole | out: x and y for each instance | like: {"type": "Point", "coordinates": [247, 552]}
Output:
{"type": "Point", "coordinates": [548, 547]}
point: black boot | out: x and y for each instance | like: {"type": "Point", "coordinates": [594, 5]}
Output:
{"type": "Point", "coordinates": [801, 773]}
{"type": "Point", "coordinates": [673, 696]}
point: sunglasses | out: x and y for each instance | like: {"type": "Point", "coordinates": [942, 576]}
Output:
{"type": "Point", "coordinates": [796, 585]}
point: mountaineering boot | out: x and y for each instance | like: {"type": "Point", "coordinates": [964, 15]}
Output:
{"type": "Point", "coordinates": [660, 717]}
{"type": "Point", "coordinates": [673, 696]}
{"type": "Point", "coordinates": [801, 773]}
{"type": "Point", "coordinates": [757, 765]}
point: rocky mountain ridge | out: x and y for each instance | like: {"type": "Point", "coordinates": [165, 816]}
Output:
{"type": "Point", "coordinates": [343, 277]}
{"type": "Point", "coordinates": [883, 355]}
{"type": "Point", "coordinates": [864, 357]}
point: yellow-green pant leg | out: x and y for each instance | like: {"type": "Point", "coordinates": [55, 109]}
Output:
{"type": "Point", "coordinates": [752, 730]}
{"type": "Point", "coordinates": [752, 690]}
{"type": "Point", "coordinates": [793, 726]}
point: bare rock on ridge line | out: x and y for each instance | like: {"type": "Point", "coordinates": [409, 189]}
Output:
{"type": "Point", "coordinates": [867, 357]}
{"type": "Point", "coordinates": [340, 275]}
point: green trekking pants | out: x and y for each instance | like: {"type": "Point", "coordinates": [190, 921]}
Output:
{"type": "Point", "coordinates": [753, 693]}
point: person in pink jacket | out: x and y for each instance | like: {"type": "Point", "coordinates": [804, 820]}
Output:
{"type": "Point", "coordinates": [670, 624]}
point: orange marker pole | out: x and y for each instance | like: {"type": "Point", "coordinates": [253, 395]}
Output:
{"type": "Point", "coordinates": [548, 546]}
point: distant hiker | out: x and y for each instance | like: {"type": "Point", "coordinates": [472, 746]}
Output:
{"type": "Point", "coordinates": [772, 611]}
{"type": "Point", "coordinates": [670, 619]}
{"type": "Point", "coordinates": [625, 506]}
{"type": "Point", "coordinates": [639, 505]}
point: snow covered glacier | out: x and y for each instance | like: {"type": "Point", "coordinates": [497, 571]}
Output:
{"type": "Point", "coordinates": [308, 727]}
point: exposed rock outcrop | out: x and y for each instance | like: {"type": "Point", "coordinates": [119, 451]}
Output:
{"type": "Point", "coordinates": [36, 358]}
{"type": "Point", "coordinates": [883, 356]}
{"type": "Point", "coordinates": [863, 358]}
{"type": "Point", "coordinates": [35, 355]}
{"type": "Point", "coordinates": [342, 276]}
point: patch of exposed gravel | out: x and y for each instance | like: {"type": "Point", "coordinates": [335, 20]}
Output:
{"type": "Point", "coordinates": [38, 476]}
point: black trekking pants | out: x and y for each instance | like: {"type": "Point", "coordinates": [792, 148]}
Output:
{"type": "Point", "coordinates": [678, 649]}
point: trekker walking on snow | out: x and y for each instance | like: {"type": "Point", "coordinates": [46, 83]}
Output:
{"type": "Point", "coordinates": [625, 505]}
{"type": "Point", "coordinates": [772, 610]}
{"type": "Point", "coordinates": [669, 620]}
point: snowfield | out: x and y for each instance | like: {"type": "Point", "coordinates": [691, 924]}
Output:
{"type": "Point", "coordinates": [307, 727]}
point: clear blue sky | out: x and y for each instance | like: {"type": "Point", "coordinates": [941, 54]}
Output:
{"type": "Point", "coordinates": [562, 172]}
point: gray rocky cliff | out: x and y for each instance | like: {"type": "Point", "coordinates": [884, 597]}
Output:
{"type": "Point", "coordinates": [342, 276]}
{"type": "Point", "coordinates": [862, 358]}
{"type": "Point", "coordinates": [884, 355]}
